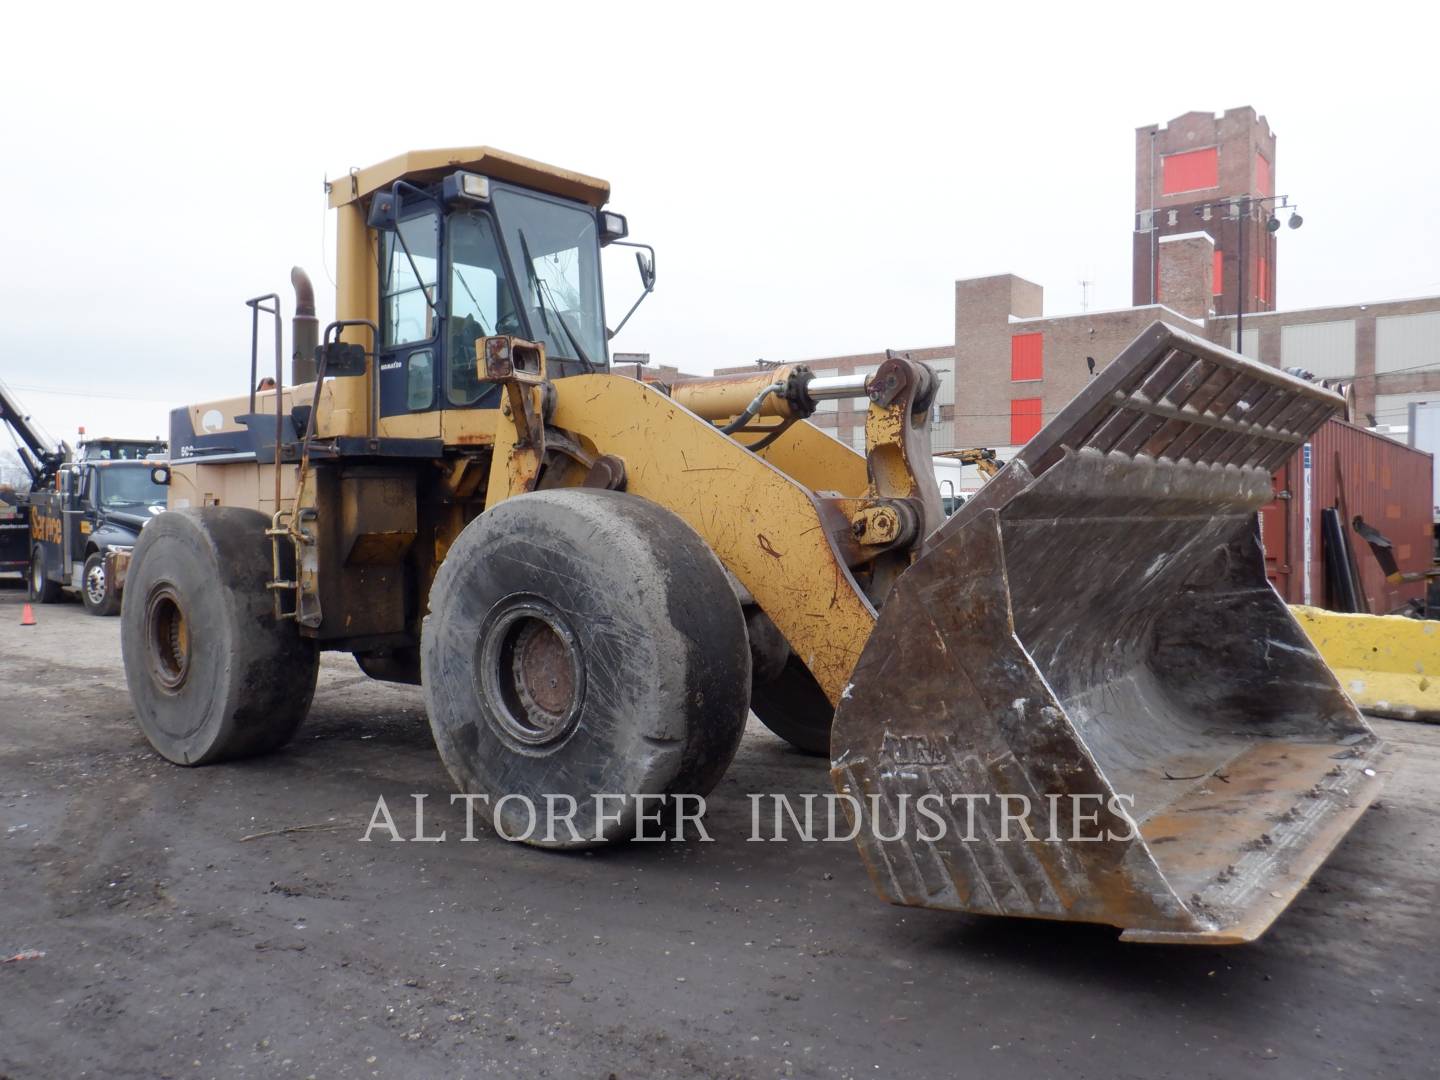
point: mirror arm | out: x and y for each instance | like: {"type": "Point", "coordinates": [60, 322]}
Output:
{"type": "Point", "coordinates": [647, 278]}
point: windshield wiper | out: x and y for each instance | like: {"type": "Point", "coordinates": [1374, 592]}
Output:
{"type": "Point", "coordinates": [541, 289]}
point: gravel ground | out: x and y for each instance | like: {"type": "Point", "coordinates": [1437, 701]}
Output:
{"type": "Point", "coordinates": [179, 943]}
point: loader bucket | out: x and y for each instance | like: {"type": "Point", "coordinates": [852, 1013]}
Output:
{"type": "Point", "coordinates": [1094, 632]}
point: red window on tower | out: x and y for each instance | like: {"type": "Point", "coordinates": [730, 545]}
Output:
{"type": "Point", "coordinates": [1262, 281]}
{"type": "Point", "coordinates": [1027, 357]}
{"type": "Point", "coordinates": [1193, 170]}
{"type": "Point", "coordinates": [1264, 180]}
{"type": "Point", "coordinates": [1218, 273]}
{"type": "Point", "coordinates": [1024, 420]}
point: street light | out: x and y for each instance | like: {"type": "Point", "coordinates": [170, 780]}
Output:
{"type": "Point", "coordinates": [1243, 209]}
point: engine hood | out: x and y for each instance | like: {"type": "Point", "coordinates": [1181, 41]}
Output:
{"type": "Point", "coordinates": [127, 519]}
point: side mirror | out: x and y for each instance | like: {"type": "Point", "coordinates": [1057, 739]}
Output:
{"type": "Point", "coordinates": [339, 358]}
{"type": "Point", "coordinates": [384, 212]}
{"type": "Point", "coordinates": [160, 474]}
{"type": "Point", "coordinates": [645, 260]}
{"type": "Point", "coordinates": [647, 269]}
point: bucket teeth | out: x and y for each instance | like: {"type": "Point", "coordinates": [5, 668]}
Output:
{"type": "Point", "coordinates": [1088, 682]}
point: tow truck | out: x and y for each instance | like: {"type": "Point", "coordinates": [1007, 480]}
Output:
{"type": "Point", "coordinates": [83, 505]}
{"type": "Point", "coordinates": [41, 458]}
{"type": "Point", "coordinates": [96, 510]}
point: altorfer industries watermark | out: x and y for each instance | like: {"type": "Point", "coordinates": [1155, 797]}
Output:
{"type": "Point", "coordinates": [776, 818]}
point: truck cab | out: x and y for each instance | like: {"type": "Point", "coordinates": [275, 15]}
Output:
{"type": "Point", "coordinates": [437, 251]}
{"type": "Point", "coordinates": [97, 506]}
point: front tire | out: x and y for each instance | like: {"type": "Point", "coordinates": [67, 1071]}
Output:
{"type": "Point", "coordinates": [96, 590]}
{"type": "Point", "coordinates": [583, 643]}
{"type": "Point", "coordinates": [212, 674]}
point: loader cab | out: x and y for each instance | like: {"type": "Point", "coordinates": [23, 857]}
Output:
{"type": "Point", "coordinates": [469, 257]}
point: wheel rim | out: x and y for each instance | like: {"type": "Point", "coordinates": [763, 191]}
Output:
{"type": "Point", "coordinates": [167, 636]}
{"type": "Point", "coordinates": [95, 584]}
{"type": "Point", "coordinates": [37, 575]}
{"type": "Point", "coordinates": [530, 672]}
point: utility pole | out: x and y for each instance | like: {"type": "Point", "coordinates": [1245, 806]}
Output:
{"type": "Point", "coordinates": [1240, 278]}
{"type": "Point", "coordinates": [1241, 209]}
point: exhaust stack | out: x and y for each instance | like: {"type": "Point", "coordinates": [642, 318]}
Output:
{"type": "Point", "coordinates": [304, 329]}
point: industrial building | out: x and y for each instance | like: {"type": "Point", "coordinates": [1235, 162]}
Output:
{"type": "Point", "coordinates": [1204, 189]}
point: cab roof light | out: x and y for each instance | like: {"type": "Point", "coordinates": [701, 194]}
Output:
{"type": "Point", "coordinates": [465, 185]}
{"type": "Point", "coordinates": [613, 226]}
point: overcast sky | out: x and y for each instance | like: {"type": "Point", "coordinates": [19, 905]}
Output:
{"type": "Point", "coordinates": [814, 176]}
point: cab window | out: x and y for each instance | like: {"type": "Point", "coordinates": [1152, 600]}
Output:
{"type": "Point", "coordinates": [480, 303]}
{"type": "Point", "coordinates": [408, 288]}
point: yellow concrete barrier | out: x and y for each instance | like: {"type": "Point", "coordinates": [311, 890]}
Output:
{"type": "Point", "coordinates": [1389, 664]}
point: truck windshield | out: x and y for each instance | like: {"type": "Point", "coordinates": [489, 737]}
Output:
{"type": "Point", "coordinates": [555, 262]}
{"type": "Point", "coordinates": [129, 487]}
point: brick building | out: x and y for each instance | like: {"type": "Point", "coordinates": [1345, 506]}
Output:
{"type": "Point", "coordinates": [638, 366]}
{"type": "Point", "coordinates": [1389, 351]}
{"type": "Point", "coordinates": [1011, 367]}
{"type": "Point", "coordinates": [1181, 169]}
{"type": "Point", "coordinates": [1016, 369]}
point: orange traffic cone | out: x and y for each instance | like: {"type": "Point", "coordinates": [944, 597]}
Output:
{"type": "Point", "coordinates": [27, 617]}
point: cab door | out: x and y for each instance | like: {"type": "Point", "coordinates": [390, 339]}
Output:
{"type": "Point", "coordinates": [410, 351]}
{"type": "Point", "coordinates": [76, 497]}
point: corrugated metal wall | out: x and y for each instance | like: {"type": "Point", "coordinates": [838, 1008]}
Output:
{"type": "Point", "coordinates": [1406, 342]}
{"type": "Point", "coordinates": [1325, 349]}
{"type": "Point", "coordinates": [1385, 482]}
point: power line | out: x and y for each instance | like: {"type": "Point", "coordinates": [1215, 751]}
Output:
{"type": "Point", "coordinates": [86, 393]}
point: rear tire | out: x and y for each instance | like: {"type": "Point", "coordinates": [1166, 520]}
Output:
{"type": "Point", "coordinates": [96, 589]}
{"type": "Point", "coordinates": [583, 643]}
{"type": "Point", "coordinates": [212, 674]}
{"type": "Point", "coordinates": [793, 706]}
{"type": "Point", "coordinates": [41, 589]}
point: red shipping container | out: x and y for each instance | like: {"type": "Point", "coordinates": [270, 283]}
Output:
{"type": "Point", "coordinates": [1384, 481]}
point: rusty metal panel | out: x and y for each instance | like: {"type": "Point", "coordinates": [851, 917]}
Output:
{"type": "Point", "coordinates": [1385, 482]}
{"type": "Point", "coordinates": [1277, 525]}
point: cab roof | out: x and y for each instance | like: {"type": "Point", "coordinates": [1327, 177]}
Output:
{"type": "Point", "coordinates": [425, 166]}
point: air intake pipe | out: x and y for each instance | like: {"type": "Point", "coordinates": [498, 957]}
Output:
{"type": "Point", "coordinates": [304, 329]}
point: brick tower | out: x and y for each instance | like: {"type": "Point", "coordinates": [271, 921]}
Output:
{"type": "Point", "coordinates": [1201, 158]}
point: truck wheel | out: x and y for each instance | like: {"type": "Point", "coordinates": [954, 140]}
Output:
{"type": "Point", "coordinates": [100, 597]}
{"type": "Point", "coordinates": [212, 675]}
{"type": "Point", "coordinates": [793, 706]}
{"type": "Point", "coordinates": [42, 590]}
{"type": "Point", "coordinates": [583, 643]}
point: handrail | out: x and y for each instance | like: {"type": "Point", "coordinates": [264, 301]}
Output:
{"type": "Point", "coordinates": [257, 308]}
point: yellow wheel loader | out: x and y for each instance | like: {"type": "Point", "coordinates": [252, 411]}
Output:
{"type": "Point", "coordinates": [1077, 698]}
